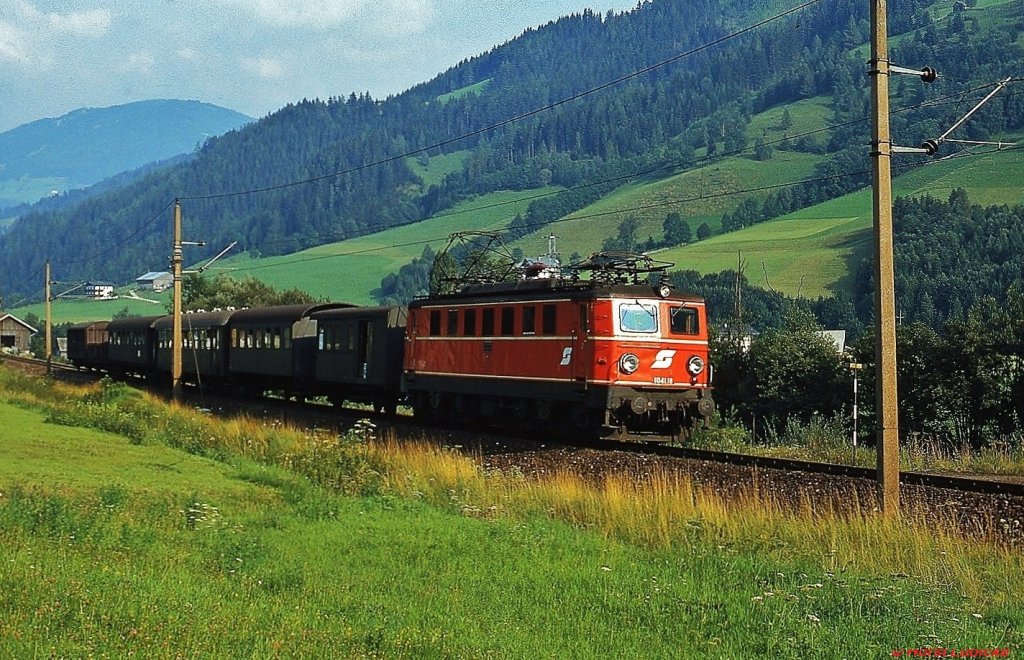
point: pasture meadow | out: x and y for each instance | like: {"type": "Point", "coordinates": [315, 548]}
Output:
{"type": "Point", "coordinates": [128, 526]}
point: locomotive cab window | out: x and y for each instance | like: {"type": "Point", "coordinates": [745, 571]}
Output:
{"type": "Point", "coordinates": [638, 317]}
{"type": "Point", "coordinates": [684, 321]}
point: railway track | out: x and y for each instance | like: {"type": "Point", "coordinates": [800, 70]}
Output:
{"type": "Point", "coordinates": [39, 367]}
{"type": "Point", "coordinates": [969, 484]}
{"type": "Point", "coordinates": [966, 484]}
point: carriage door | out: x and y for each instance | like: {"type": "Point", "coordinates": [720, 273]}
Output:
{"type": "Point", "coordinates": [580, 345]}
{"type": "Point", "coordinates": [364, 349]}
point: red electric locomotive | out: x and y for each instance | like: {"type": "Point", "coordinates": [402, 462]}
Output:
{"type": "Point", "coordinates": [609, 355]}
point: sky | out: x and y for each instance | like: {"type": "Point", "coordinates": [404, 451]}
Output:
{"type": "Point", "coordinates": [253, 56]}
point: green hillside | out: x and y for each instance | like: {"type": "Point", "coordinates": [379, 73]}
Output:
{"type": "Point", "coordinates": [350, 269]}
{"type": "Point", "coordinates": [811, 251]}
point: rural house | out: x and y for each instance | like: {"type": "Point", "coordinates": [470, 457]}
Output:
{"type": "Point", "coordinates": [102, 290]}
{"type": "Point", "coordinates": [14, 333]}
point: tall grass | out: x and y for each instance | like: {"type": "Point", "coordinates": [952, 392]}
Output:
{"type": "Point", "coordinates": [666, 510]}
{"type": "Point", "coordinates": [339, 462]}
{"type": "Point", "coordinates": [446, 559]}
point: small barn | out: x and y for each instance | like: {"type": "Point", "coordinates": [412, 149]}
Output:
{"type": "Point", "coordinates": [15, 333]}
{"type": "Point", "coordinates": [154, 281]}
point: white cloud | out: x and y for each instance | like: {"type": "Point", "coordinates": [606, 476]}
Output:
{"type": "Point", "coordinates": [264, 67]}
{"type": "Point", "coordinates": [140, 62]}
{"type": "Point", "coordinates": [402, 17]}
{"type": "Point", "coordinates": [188, 54]}
{"type": "Point", "coordinates": [93, 23]}
{"type": "Point", "coordinates": [12, 44]}
{"type": "Point", "coordinates": [303, 13]}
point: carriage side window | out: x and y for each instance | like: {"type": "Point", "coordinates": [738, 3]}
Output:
{"type": "Point", "coordinates": [469, 322]}
{"type": "Point", "coordinates": [277, 338]}
{"type": "Point", "coordinates": [529, 320]}
{"type": "Point", "coordinates": [488, 322]}
{"type": "Point", "coordinates": [548, 321]}
{"type": "Point", "coordinates": [453, 322]}
{"type": "Point", "coordinates": [638, 317]}
{"type": "Point", "coordinates": [508, 320]}
{"type": "Point", "coordinates": [435, 322]}
{"type": "Point", "coordinates": [684, 321]}
{"type": "Point", "coordinates": [287, 338]}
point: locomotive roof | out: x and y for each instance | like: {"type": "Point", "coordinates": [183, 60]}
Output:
{"type": "Point", "coordinates": [539, 289]}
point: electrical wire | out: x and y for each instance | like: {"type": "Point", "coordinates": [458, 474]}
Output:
{"type": "Point", "coordinates": [516, 118]}
{"type": "Point", "coordinates": [125, 240]}
{"type": "Point", "coordinates": [950, 99]}
{"type": "Point", "coordinates": [642, 207]}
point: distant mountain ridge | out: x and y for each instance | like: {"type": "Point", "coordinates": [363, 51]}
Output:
{"type": "Point", "coordinates": [88, 145]}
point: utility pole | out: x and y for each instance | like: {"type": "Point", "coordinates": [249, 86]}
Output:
{"type": "Point", "coordinates": [176, 259]}
{"type": "Point", "coordinates": [176, 326]}
{"type": "Point", "coordinates": [49, 323]}
{"type": "Point", "coordinates": [887, 442]}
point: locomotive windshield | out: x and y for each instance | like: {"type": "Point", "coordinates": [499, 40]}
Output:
{"type": "Point", "coordinates": [638, 317]}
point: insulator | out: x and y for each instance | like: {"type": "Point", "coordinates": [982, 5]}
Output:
{"type": "Point", "coordinates": [928, 74]}
{"type": "Point", "coordinates": [930, 147]}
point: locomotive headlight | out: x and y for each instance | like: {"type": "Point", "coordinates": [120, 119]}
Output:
{"type": "Point", "coordinates": [629, 363]}
{"type": "Point", "coordinates": [695, 365]}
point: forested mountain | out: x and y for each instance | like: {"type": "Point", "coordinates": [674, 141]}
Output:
{"type": "Point", "coordinates": [92, 144]}
{"type": "Point", "coordinates": [349, 152]}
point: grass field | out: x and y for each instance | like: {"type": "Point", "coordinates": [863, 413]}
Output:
{"type": "Point", "coordinates": [74, 310]}
{"type": "Point", "coordinates": [438, 167]}
{"type": "Point", "coordinates": [475, 88]}
{"type": "Point", "coordinates": [127, 546]}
